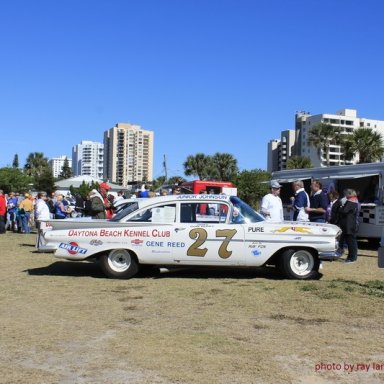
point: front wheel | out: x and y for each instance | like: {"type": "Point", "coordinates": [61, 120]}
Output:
{"type": "Point", "coordinates": [299, 264]}
{"type": "Point", "coordinates": [119, 264]}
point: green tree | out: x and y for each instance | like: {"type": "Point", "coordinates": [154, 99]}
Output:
{"type": "Point", "coordinates": [36, 164]}
{"type": "Point", "coordinates": [368, 144]}
{"type": "Point", "coordinates": [176, 180]}
{"type": "Point", "coordinates": [220, 166]}
{"type": "Point", "coordinates": [15, 163]}
{"type": "Point", "coordinates": [197, 165]}
{"type": "Point", "coordinates": [157, 183]}
{"type": "Point", "coordinates": [299, 162]}
{"type": "Point", "coordinates": [225, 165]}
{"type": "Point", "coordinates": [252, 186]}
{"type": "Point", "coordinates": [347, 150]}
{"type": "Point", "coordinates": [83, 189]}
{"type": "Point", "coordinates": [66, 171]}
{"type": "Point", "coordinates": [14, 180]}
{"type": "Point", "coordinates": [45, 181]}
{"type": "Point", "coordinates": [321, 136]}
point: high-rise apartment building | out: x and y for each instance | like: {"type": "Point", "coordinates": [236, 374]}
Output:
{"type": "Point", "coordinates": [88, 159]}
{"type": "Point", "coordinates": [56, 164]}
{"type": "Point", "coordinates": [128, 154]}
{"type": "Point", "coordinates": [279, 151]}
{"type": "Point", "coordinates": [346, 119]}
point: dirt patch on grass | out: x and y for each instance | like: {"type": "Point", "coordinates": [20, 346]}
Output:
{"type": "Point", "coordinates": [63, 322]}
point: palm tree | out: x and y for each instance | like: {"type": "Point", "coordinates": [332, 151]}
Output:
{"type": "Point", "coordinates": [368, 144]}
{"type": "Point", "coordinates": [321, 136]}
{"type": "Point", "coordinates": [36, 164]}
{"type": "Point", "coordinates": [347, 148]}
{"type": "Point", "coordinates": [225, 165]}
{"type": "Point", "coordinates": [197, 165]}
{"type": "Point", "coordinates": [299, 162]}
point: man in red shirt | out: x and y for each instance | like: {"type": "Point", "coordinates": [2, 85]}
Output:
{"type": "Point", "coordinates": [3, 211]}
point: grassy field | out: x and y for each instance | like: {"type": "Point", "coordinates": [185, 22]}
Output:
{"type": "Point", "coordinates": [63, 322]}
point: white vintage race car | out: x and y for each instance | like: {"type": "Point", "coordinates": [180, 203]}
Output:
{"type": "Point", "coordinates": [188, 230]}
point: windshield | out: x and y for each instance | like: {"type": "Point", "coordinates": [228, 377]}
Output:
{"type": "Point", "coordinates": [124, 211]}
{"type": "Point", "coordinates": [249, 214]}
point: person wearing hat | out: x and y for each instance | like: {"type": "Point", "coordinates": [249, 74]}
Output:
{"type": "Point", "coordinates": [25, 211]}
{"type": "Point", "coordinates": [271, 204]}
{"type": "Point", "coordinates": [103, 189]}
{"type": "Point", "coordinates": [94, 206]}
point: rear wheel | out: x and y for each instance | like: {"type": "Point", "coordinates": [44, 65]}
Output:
{"type": "Point", "coordinates": [299, 264]}
{"type": "Point", "coordinates": [119, 264]}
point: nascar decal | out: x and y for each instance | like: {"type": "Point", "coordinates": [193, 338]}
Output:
{"type": "Point", "coordinates": [255, 229]}
{"type": "Point", "coordinates": [221, 197]}
{"type": "Point", "coordinates": [294, 229]}
{"type": "Point", "coordinates": [73, 248]}
{"type": "Point", "coordinates": [257, 245]}
{"type": "Point", "coordinates": [137, 242]}
{"type": "Point", "coordinates": [141, 233]}
{"type": "Point", "coordinates": [256, 252]}
{"type": "Point", "coordinates": [96, 242]}
{"type": "Point", "coordinates": [161, 244]}
{"type": "Point", "coordinates": [200, 236]}
{"type": "Point", "coordinates": [119, 233]}
{"type": "Point", "coordinates": [82, 233]}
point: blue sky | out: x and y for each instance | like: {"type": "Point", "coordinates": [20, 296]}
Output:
{"type": "Point", "coordinates": [204, 75]}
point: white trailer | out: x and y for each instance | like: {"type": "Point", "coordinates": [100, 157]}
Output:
{"type": "Point", "coordinates": [366, 179]}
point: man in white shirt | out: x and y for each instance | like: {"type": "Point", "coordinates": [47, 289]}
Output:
{"type": "Point", "coordinates": [41, 213]}
{"type": "Point", "coordinates": [271, 205]}
{"type": "Point", "coordinates": [41, 207]}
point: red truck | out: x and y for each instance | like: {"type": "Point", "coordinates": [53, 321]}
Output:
{"type": "Point", "coordinates": [215, 187]}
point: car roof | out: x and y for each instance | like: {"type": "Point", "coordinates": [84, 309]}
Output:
{"type": "Point", "coordinates": [184, 198]}
{"type": "Point", "coordinates": [125, 201]}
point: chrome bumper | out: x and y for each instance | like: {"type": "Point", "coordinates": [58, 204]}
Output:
{"type": "Point", "coordinates": [334, 255]}
{"type": "Point", "coordinates": [46, 249]}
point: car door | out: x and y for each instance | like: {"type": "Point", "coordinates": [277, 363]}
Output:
{"type": "Point", "coordinates": [150, 233]}
{"type": "Point", "coordinates": [206, 238]}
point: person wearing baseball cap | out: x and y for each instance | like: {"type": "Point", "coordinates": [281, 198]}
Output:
{"type": "Point", "coordinates": [271, 204]}
{"type": "Point", "coordinates": [104, 186]}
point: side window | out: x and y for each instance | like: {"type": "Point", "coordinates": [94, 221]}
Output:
{"type": "Point", "coordinates": [158, 214]}
{"type": "Point", "coordinates": [203, 213]}
{"type": "Point", "coordinates": [188, 212]}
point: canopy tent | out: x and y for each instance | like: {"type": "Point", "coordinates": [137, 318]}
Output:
{"type": "Point", "coordinates": [64, 185]}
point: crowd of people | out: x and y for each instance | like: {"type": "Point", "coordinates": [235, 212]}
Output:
{"type": "Point", "coordinates": [318, 206]}
{"type": "Point", "coordinates": [16, 212]}
{"type": "Point", "coordinates": [19, 212]}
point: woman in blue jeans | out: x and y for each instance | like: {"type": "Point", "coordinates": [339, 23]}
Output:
{"type": "Point", "coordinates": [24, 216]}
